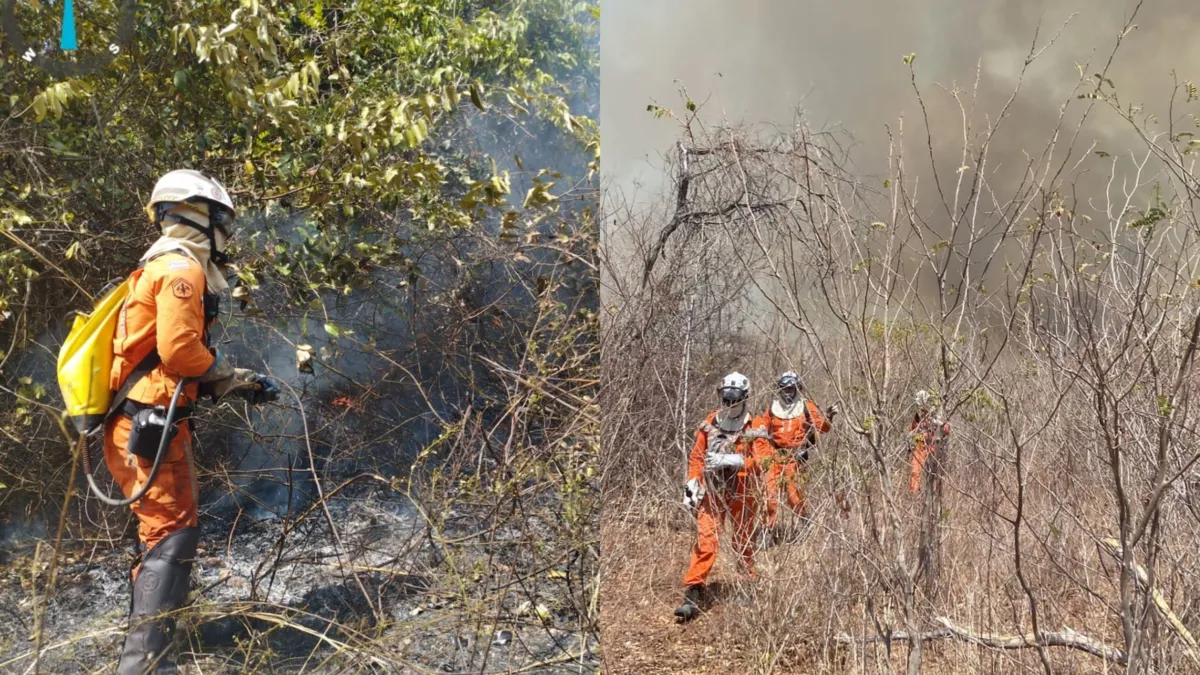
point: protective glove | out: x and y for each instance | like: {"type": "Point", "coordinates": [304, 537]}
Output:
{"type": "Point", "coordinates": [266, 392]}
{"type": "Point", "coordinates": [832, 411]}
{"type": "Point", "coordinates": [693, 493]}
{"type": "Point", "coordinates": [220, 370]}
{"type": "Point", "coordinates": [724, 460]}
{"type": "Point", "coordinates": [222, 379]}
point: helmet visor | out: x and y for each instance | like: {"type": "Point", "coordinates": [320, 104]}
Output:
{"type": "Point", "coordinates": [221, 217]}
{"type": "Point", "coordinates": [732, 395]}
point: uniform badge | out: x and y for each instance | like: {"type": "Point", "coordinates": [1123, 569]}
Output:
{"type": "Point", "coordinates": [182, 289]}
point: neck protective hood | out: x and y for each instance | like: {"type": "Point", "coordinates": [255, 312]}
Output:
{"type": "Point", "coordinates": [186, 230]}
{"type": "Point", "coordinates": [787, 411]}
{"type": "Point", "coordinates": [732, 418]}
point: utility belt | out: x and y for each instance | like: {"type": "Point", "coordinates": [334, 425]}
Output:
{"type": "Point", "coordinates": [131, 408]}
{"type": "Point", "coordinates": [149, 424]}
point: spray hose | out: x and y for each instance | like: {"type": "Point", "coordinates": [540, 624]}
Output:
{"type": "Point", "coordinates": [162, 451]}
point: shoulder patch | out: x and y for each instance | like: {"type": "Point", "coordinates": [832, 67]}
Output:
{"type": "Point", "coordinates": [182, 289]}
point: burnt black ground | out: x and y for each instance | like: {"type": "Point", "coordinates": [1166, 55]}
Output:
{"type": "Point", "coordinates": [248, 584]}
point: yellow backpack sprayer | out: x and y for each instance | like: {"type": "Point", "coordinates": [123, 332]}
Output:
{"type": "Point", "coordinates": [84, 363]}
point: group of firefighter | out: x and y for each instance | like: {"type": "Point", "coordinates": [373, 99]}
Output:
{"type": "Point", "coordinates": [738, 456]}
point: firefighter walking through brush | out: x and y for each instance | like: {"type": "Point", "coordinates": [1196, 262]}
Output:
{"type": "Point", "coordinates": [162, 342]}
{"type": "Point", "coordinates": [925, 433]}
{"type": "Point", "coordinates": [722, 471]}
{"type": "Point", "coordinates": [794, 425]}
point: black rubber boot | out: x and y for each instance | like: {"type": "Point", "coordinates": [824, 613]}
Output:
{"type": "Point", "coordinates": [690, 609]}
{"type": "Point", "coordinates": [161, 586]}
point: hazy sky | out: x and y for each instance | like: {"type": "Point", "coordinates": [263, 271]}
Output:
{"type": "Point", "coordinates": [841, 60]}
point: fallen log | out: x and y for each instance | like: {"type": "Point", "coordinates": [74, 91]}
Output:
{"type": "Point", "coordinates": [1065, 638]}
{"type": "Point", "coordinates": [1113, 547]}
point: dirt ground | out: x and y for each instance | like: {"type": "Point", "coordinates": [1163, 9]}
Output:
{"type": "Point", "coordinates": [644, 565]}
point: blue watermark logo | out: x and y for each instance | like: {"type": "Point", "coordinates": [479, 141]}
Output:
{"type": "Point", "coordinates": [69, 60]}
{"type": "Point", "coordinates": [67, 41]}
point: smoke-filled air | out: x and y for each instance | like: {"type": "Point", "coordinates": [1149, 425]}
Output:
{"type": "Point", "coordinates": [901, 311]}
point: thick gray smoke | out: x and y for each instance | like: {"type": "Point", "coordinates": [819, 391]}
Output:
{"type": "Point", "coordinates": [841, 62]}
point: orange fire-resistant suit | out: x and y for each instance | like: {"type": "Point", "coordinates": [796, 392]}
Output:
{"type": "Point", "coordinates": [730, 496]}
{"type": "Point", "coordinates": [789, 437]}
{"type": "Point", "coordinates": [164, 311]}
{"type": "Point", "coordinates": [924, 443]}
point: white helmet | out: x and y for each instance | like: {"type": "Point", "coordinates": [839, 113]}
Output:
{"type": "Point", "coordinates": [921, 398]}
{"type": "Point", "coordinates": [186, 185]}
{"type": "Point", "coordinates": [182, 185]}
{"type": "Point", "coordinates": [734, 388]}
{"type": "Point", "coordinates": [789, 379]}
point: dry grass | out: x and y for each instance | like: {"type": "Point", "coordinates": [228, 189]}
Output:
{"type": "Point", "coordinates": [809, 593]}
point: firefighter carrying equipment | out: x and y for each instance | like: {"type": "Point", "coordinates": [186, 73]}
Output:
{"type": "Point", "coordinates": [86, 356]}
{"type": "Point", "coordinates": [85, 362]}
{"type": "Point", "coordinates": [84, 368]}
{"type": "Point", "coordinates": [728, 495]}
{"type": "Point", "coordinates": [793, 430]}
{"type": "Point", "coordinates": [749, 442]}
{"type": "Point", "coordinates": [926, 433]}
{"type": "Point", "coordinates": [89, 352]}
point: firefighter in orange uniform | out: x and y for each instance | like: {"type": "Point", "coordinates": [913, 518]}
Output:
{"type": "Point", "coordinates": [925, 432]}
{"type": "Point", "coordinates": [161, 339]}
{"type": "Point", "coordinates": [795, 425]}
{"type": "Point", "coordinates": [722, 469]}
